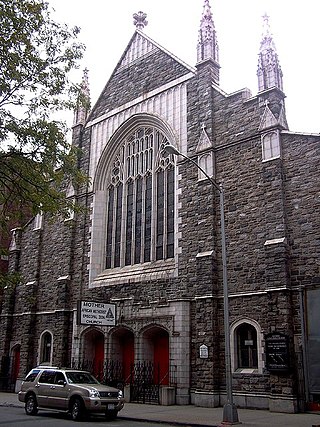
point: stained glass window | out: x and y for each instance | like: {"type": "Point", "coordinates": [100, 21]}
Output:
{"type": "Point", "coordinates": [140, 201]}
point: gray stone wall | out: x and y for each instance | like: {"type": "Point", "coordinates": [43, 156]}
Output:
{"type": "Point", "coordinates": [301, 157]}
{"type": "Point", "coordinates": [263, 201]}
{"type": "Point", "coordinates": [131, 82]}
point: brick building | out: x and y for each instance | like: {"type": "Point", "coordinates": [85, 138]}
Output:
{"type": "Point", "coordinates": [146, 253]}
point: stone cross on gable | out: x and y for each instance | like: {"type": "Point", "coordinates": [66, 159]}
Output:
{"type": "Point", "coordinates": [139, 20]}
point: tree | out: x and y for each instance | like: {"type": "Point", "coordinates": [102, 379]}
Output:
{"type": "Point", "coordinates": [36, 161]}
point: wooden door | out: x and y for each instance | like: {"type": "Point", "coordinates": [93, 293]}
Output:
{"type": "Point", "coordinates": [161, 359]}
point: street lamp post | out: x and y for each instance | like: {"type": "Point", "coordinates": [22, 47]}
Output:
{"type": "Point", "coordinates": [230, 413]}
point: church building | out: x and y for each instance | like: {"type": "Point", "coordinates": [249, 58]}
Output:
{"type": "Point", "coordinates": [142, 286]}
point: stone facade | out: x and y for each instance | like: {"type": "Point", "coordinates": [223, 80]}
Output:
{"type": "Point", "coordinates": [272, 214]}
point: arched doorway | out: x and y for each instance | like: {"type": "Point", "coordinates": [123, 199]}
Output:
{"type": "Point", "coordinates": [15, 367]}
{"type": "Point", "coordinates": [93, 352]}
{"type": "Point", "coordinates": [155, 348]}
{"type": "Point", "coordinates": [151, 370]}
{"type": "Point", "coordinates": [122, 353]}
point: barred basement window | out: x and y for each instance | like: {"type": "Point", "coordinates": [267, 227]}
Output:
{"type": "Point", "coordinates": [140, 201]}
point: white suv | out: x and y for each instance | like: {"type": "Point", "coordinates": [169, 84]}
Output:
{"type": "Point", "coordinates": [69, 390]}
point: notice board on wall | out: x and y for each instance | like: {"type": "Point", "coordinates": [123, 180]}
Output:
{"type": "Point", "coordinates": [277, 351]}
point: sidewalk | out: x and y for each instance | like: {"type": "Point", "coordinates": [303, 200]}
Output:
{"type": "Point", "coordinates": [198, 417]}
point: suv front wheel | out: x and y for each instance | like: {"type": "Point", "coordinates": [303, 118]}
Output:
{"type": "Point", "coordinates": [77, 410]}
{"type": "Point", "coordinates": [31, 406]}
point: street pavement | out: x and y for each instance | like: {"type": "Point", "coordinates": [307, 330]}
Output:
{"type": "Point", "coordinates": [195, 416]}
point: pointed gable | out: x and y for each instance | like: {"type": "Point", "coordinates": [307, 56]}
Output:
{"type": "Point", "coordinates": [144, 66]}
{"type": "Point", "coordinates": [204, 141]}
{"type": "Point", "coordinates": [270, 120]}
{"type": "Point", "coordinates": [138, 48]}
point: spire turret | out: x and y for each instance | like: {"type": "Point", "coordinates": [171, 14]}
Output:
{"type": "Point", "coordinates": [269, 70]}
{"type": "Point", "coordinates": [83, 104]}
{"type": "Point", "coordinates": [207, 49]}
{"type": "Point", "coordinates": [207, 43]}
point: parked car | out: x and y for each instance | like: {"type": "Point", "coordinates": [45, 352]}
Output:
{"type": "Point", "coordinates": [73, 391]}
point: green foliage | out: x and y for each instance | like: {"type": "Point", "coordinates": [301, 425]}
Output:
{"type": "Point", "coordinates": [9, 281]}
{"type": "Point", "coordinates": [36, 57]}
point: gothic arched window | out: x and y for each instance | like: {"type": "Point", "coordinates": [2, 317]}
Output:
{"type": "Point", "coordinates": [205, 162]}
{"type": "Point", "coordinates": [140, 201]}
{"type": "Point", "coordinates": [46, 347]}
{"type": "Point", "coordinates": [246, 339]}
{"type": "Point", "coordinates": [270, 146]}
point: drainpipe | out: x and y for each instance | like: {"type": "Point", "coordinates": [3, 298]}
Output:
{"type": "Point", "coordinates": [304, 342]}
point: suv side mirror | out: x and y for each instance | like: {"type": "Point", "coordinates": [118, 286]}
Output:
{"type": "Point", "coordinates": [61, 382]}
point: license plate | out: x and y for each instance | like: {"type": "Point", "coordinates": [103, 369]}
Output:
{"type": "Point", "coordinates": [110, 405]}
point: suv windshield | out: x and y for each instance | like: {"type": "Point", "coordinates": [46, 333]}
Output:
{"type": "Point", "coordinates": [81, 378]}
{"type": "Point", "coordinates": [32, 375]}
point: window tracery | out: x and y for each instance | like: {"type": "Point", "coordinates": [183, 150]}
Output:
{"type": "Point", "coordinates": [140, 201]}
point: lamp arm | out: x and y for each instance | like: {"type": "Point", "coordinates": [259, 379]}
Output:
{"type": "Point", "coordinates": [216, 186]}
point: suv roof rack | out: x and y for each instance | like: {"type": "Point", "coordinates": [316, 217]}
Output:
{"type": "Point", "coordinates": [73, 369]}
{"type": "Point", "coordinates": [46, 367]}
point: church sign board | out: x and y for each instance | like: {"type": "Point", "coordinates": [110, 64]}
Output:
{"type": "Point", "coordinates": [96, 313]}
{"type": "Point", "coordinates": [277, 351]}
{"type": "Point", "coordinates": [204, 352]}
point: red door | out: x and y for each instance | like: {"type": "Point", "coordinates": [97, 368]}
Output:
{"type": "Point", "coordinates": [161, 359]}
{"type": "Point", "coordinates": [127, 356]}
{"type": "Point", "coordinates": [16, 363]}
{"type": "Point", "coordinates": [98, 356]}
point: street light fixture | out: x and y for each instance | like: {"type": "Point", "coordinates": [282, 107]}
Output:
{"type": "Point", "coordinates": [230, 413]}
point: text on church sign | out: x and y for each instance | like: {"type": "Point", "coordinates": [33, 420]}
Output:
{"type": "Point", "coordinates": [277, 351]}
{"type": "Point", "coordinates": [96, 313]}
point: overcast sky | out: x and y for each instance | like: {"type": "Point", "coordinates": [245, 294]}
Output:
{"type": "Point", "coordinates": [107, 26]}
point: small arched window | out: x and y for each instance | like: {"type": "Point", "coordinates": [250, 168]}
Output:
{"type": "Point", "coordinates": [246, 345]}
{"type": "Point", "coordinates": [205, 162]}
{"type": "Point", "coordinates": [246, 342]}
{"type": "Point", "coordinates": [38, 221]}
{"type": "Point", "coordinates": [270, 146]}
{"type": "Point", "coordinates": [46, 348]}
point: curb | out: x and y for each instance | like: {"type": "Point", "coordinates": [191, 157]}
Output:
{"type": "Point", "coordinates": [173, 423]}
{"type": "Point", "coordinates": [121, 417]}
{"type": "Point", "coordinates": [10, 405]}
